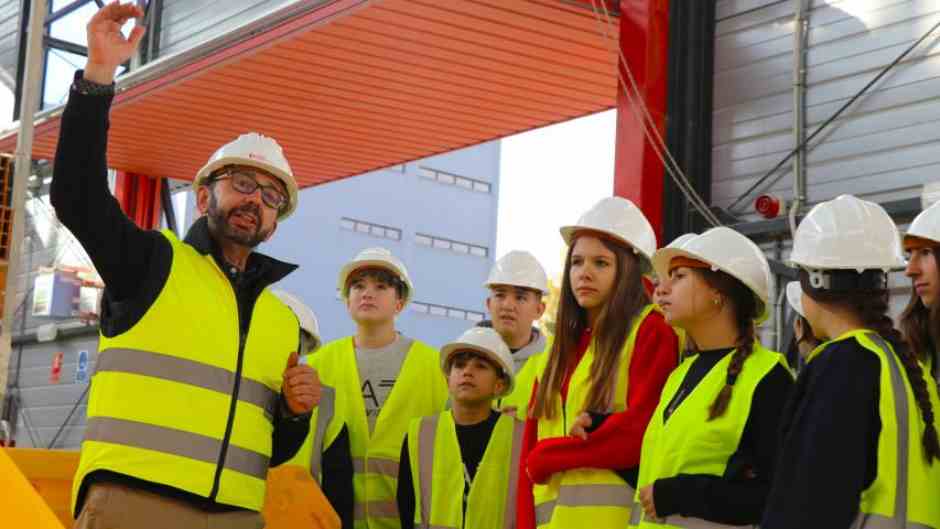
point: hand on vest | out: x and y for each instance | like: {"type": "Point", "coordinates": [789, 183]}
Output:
{"type": "Point", "coordinates": [301, 387]}
{"type": "Point", "coordinates": [646, 500]}
{"type": "Point", "coordinates": [581, 425]}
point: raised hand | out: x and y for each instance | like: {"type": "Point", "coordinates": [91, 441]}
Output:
{"type": "Point", "coordinates": [107, 46]}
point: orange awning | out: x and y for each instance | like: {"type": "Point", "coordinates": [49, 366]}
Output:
{"type": "Point", "coordinates": [353, 86]}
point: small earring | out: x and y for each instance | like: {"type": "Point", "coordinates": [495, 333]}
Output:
{"type": "Point", "coordinates": [717, 302]}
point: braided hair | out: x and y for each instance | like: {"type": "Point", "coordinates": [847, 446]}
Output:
{"type": "Point", "coordinates": [870, 305]}
{"type": "Point", "coordinates": [746, 310]}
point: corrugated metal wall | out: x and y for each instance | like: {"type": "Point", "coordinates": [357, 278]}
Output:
{"type": "Point", "coordinates": [186, 23]}
{"type": "Point", "coordinates": [9, 41]}
{"type": "Point", "coordinates": [43, 404]}
{"type": "Point", "coordinates": [883, 148]}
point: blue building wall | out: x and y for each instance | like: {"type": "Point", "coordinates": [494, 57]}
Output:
{"type": "Point", "coordinates": [438, 215]}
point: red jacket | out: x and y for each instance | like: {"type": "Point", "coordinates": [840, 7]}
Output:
{"type": "Point", "coordinates": [616, 444]}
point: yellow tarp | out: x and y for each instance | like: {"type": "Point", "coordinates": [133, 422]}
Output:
{"type": "Point", "coordinates": [20, 505]}
{"type": "Point", "coordinates": [36, 486]}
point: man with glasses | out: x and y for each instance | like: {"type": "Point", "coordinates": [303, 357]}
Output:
{"type": "Point", "coordinates": [197, 389]}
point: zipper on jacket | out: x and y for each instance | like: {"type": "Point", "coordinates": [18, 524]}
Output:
{"type": "Point", "coordinates": [226, 439]}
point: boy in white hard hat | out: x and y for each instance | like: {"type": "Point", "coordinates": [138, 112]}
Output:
{"type": "Point", "coordinates": [518, 284]}
{"type": "Point", "coordinates": [459, 468]}
{"type": "Point", "coordinates": [383, 380]}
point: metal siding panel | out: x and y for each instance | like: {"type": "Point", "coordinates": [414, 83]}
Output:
{"type": "Point", "coordinates": [9, 41]}
{"type": "Point", "coordinates": [883, 147]}
{"type": "Point", "coordinates": [47, 405]}
{"type": "Point", "coordinates": [187, 23]}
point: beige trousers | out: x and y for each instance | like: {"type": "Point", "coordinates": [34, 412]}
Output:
{"type": "Point", "coordinates": [114, 506]}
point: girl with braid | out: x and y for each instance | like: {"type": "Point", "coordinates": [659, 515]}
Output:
{"type": "Point", "coordinates": [709, 451]}
{"type": "Point", "coordinates": [860, 446]}
{"type": "Point", "coordinates": [921, 319]}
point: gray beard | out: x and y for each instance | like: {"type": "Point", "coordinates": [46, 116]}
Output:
{"type": "Point", "coordinates": [221, 230]}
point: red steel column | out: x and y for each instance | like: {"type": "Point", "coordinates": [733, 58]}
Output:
{"type": "Point", "coordinates": [644, 39]}
{"type": "Point", "coordinates": [139, 196]}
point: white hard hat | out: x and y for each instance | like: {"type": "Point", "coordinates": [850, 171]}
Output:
{"type": "Point", "coordinates": [729, 251]}
{"type": "Point", "coordinates": [795, 297]}
{"type": "Point", "coordinates": [376, 258]}
{"type": "Point", "coordinates": [847, 233]}
{"type": "Point", "coordinates": [519, 269]}
{"type": "Point", "coordinates": [682, 239]}
{"type": "Point", "coordinates": [305, 315]}
{"type": "Point", "coordinates": [926, 225]}
{"type": "Point", "coordinates": [257, 151]}
{"type": "Point", "coordinates": [619, 218]}
{"type": "Point", "coordinates": [487, 342]}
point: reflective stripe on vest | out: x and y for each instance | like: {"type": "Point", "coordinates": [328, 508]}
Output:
{"type": "Point", "coordinates": [901, 416]}
{"type": "Point", "coordinates": [598, 495]}
{"type": "Point", "coordinates": [189, 372]}
{"type": "Point", "coordinates": [419, 390]}
{"type": "Point", "coordinates": [585, 496]}
{"type": "Point", "coordinates": [903, 494]}
{"type": "Point", "coordinates": [678, 521]}
{"type": "Point", "coordinates": [185, 399]}
{"type": "Point", "coordinates": [325, 411]}
{"type": "Point", "coordinates": [176, 442]}
{"type": "Point", "coordinates": [439, 488]}
{"type": "Point", "coordinates": [688, 442]}
{"type": "Point", "coordinates": [876, 521]}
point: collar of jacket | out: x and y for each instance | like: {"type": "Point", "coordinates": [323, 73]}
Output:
{"type": "Point", "coordinates": [268, 268]}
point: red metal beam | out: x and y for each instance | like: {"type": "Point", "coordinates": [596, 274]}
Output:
{"type": "Point", "coordinates": [644, 40]}
{"type": "Point", "coordinates": [139, 196]}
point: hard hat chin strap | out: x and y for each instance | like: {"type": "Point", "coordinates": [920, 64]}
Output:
{"type": "Point", "coordinates": [846, 280]}
{"type": "Point", "coordinates": [819, 279]}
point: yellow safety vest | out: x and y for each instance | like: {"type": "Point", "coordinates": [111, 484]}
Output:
{"type": "Point", "coordinates": [596, 498]}
{"type": "Point", "coordinates": [689, 443]}
{"type": "Point", "coordinates": [326, 423]}
{"type": "Point", "coordinates": [904, 492]}
{"type": "Point", "coordinates": [530, 357]}
{"type": "Point", "coordinates": [164, 392]}
{"type": "Point", "coordinates": [436, 464]}
{"type": "Point", "coordinates": [419, 391]}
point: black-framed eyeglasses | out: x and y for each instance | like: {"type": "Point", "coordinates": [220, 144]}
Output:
{"type": "Point", "coordinates": [244, 182]}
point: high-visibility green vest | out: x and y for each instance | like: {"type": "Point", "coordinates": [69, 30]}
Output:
{"type": "Point", "coordinates": [438, 477]}
{"type": "Point", "coordinates": [419, 391]}
{"type": "Point", "coordinates": [164, 392]}
{"type": "Point", "coordinates": [527, 361]}
{"type": "Point", "coordinates": [596, 498]}
{"type": "Point", "coordinates": [689, 443]}
{"type": "Point", "coordinates": [326, 423]}
{"type": "Point", "coordinates": [905, 490]}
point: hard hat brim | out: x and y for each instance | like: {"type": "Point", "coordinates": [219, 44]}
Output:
{"type": "Point", "coordinates": [569, 233]}
{"type": "Point", "coordinates": [806, 264]}
{"type": "Point", "coordinates": [355, 266]}
{"type": "Point", "coordinates": [491, 284]}
{"type": "Point", "coordinates": [289, 182]}
{"type": "Point", "coordinates": [795, 297]}
{"type": "Point", "coordinates": [664, 256]}
{"type": "Point", "coordinates": [448, 350]}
